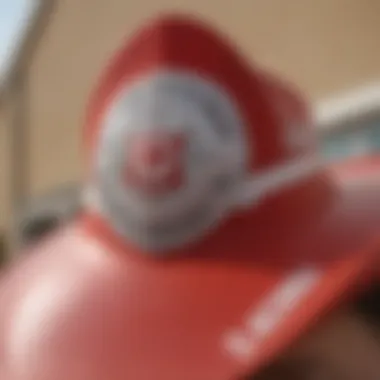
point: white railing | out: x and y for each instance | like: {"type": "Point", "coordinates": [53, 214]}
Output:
{"type": "Point", "coordinates": [355, 104]}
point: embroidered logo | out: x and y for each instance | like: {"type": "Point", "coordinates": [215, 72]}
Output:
{"type": "Point", "coordinates": [155, 162]}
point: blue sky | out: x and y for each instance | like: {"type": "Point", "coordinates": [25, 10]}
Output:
{"type": "Point", "coordinates": [13, 14]}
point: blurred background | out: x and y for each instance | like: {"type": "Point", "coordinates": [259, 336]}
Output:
{"type": "Point", "coordinates": [51, 52]}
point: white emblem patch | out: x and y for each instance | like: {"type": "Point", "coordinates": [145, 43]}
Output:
{"type": "Point", "coordinates": [172, 151]}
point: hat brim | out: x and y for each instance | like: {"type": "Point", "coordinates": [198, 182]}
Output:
{"type": "Point", "coordinates": [118, 314]}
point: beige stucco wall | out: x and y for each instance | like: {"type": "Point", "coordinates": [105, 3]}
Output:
{"type": "Point", "coordinates": [325, 46]}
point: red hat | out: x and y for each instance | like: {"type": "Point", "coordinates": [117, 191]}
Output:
{"type": "Point", "coordinates": [213, 234]}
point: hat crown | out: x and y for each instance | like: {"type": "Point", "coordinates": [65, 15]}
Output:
{"type": "Point", "coordinates": [182, 137]}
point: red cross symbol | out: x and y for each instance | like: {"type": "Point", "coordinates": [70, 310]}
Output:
{"type": "Point", "coordinates": [155, 162]}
